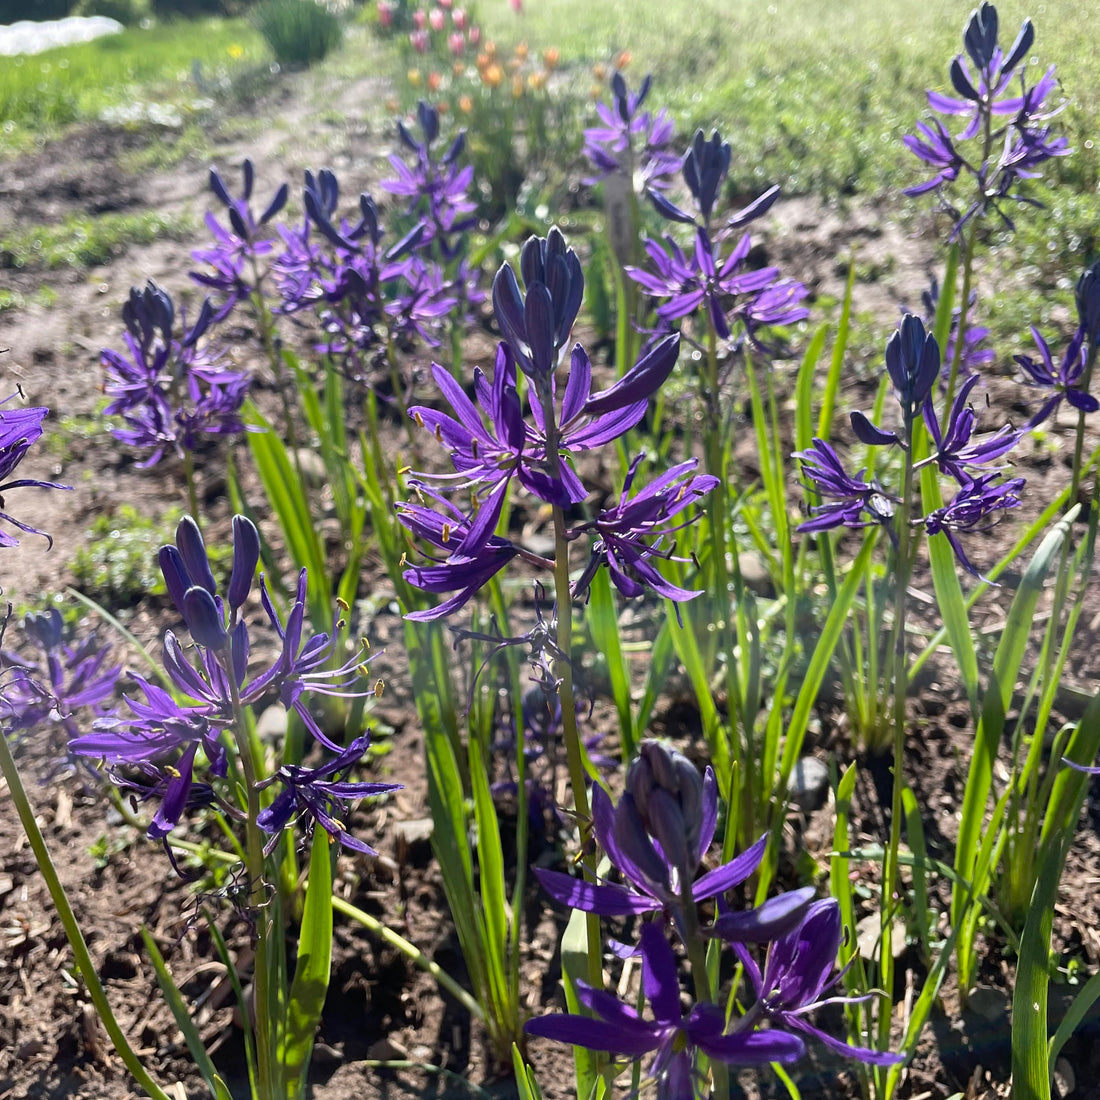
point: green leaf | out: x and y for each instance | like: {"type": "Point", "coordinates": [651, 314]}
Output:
{"type": "Point", "coordinates": [526, 1083]}
{"type": "Point", "coordinates": [311, 975]}
{"type": "Point", "coordinates": [182, 1017]}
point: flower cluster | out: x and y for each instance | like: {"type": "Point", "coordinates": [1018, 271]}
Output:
{"type": "Point", "coordinates": [728, 292]}
{"type": "Point", "coordinates": [20, 429]}
{"type": "Point", "coordinates": [56, 687]}
{"type": "Point", "coordinates": [169, 734]}
{"type": "Point", "coordinates": [1006, 137]}
{"type": "Point", "coordinates": [632, 141]}
{"type": "Point", "coordinates": [169, 389]}
{"type": "Point", "coordinates": [494, 443]}
{"type": "Point", "coordinates": [655, 838]}
{"type": "Point", "coordinates": [913, 365]}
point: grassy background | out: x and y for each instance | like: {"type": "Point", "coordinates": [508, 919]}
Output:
{"type": "Point", "coordinates": [811, 95]}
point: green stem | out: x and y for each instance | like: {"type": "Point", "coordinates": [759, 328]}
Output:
{"type": "Point", "coordinates": [81, 955]}
{"type": "Point", "coordinates": [266, 1041]}
{"type": "Point", "coordinates": [411, 952]}
{"type": "Point", "coordinates": [192, 490]}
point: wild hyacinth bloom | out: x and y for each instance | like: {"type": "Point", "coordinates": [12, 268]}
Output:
{"type": "Point", "coordinates": [494, 444]}
{"type": "Point", "coordinates": [436, 186]}
{"type": "Point", "coordinates": [214, 678]}
{"type": "Point", "coordinates": [656, 836]}
{"type": "Point", "coordinates": [996, 156]}
{"type": "Point", "coordinates": [316, 796]}
{"type": "Point", "coordinates": [799, 970]}
{"type": "Point", "coordinates": [20, 429]}
{"type": "Point", "coordinates": [974, 506]}
{"type": "Point", "coordinates": [231, 265]}
{"type": "Point", "coordinates": [1064, 382]}
{"type": "Point", "coordinates": [847, 500]}
{"type": "Point", "coordinates": [169, 390]}
{"type": "Point", "coordinates": [673, 1037]}
{"type": "Point", "coordinates": [66, 679]}
{"type": "Point", "coordinates": [632, 140]}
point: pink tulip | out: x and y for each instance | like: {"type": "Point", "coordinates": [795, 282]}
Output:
{"type": "Point", "coordinates": [420, 20]}
{"type": "Point", "coordinates": [457, 44]}
{"type": "Point", "coordinates": [517, 6]}
{"type": "Point", "coordinates": [473, 35]}
{"type": "Point", "coordinates": [458, 17]}
{"type": "Point", "coordinates": [436, 19]}
{"type": "Point", "coordinates": [385, 14]}
{"type": "Point", "coordinates": [419, 40]}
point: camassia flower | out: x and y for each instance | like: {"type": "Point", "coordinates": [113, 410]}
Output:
{"type": "Point", "coordinates": [20, 429]}
{"type": "Point", "coordinates": [672, 1037]}
{"type": "Point", "coordinates": [799, 970]}
{"type": "Point", "coordinates": [655, 837]}
{"type": "Point", "coordinates": [996, 156]}
{"type": "Point", "coordinates": [1065, 382]}
{"type": "Point", "coordinates": [65, 680]}
{"type": "Point", "coordinates": [166, 733]}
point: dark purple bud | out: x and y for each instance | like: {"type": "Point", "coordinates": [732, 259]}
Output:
{"type": "Point", "coordinates": [238, 223]}
{"type": "Point", "coordinates": [1020, 47]}
{"type": "Point", "coordinates": [665, 821]}
{"type": "Point", "coordinates": [46, 627]}
{"type": "Point", "coordinates": [204, 619]}
{"type": "Point", "coordinates": [321, 220]}
{"type": "Point", "coordinates": [705, 166]}
{"type": "Point", "coordinates": [980, 37]}
{"type": "Point", "coordinates": [276, 204]}
{"type": "Point", "coordinates": [869, 433]}
{"type": "Point", "coordinates": [249, 178]}
{"type": "Point", "coordinates": [642, 381]}
{"type": "Point", "coordinates": [755, 209]}
{"type": "Point", "coordinates": [217, 185]}
{"type": "Point", "coordinates": [428, 117]}
{"type": "Point", "coordinates": [246, 555]}
{"type": "Point", "coordinates": [456, 149]}
{"type": "Point", "coordinates": [622, 100]}
{"type": "Point", "coordinates": [175, 575]}
{"type": "Point", "coordinates": [532, 260]}
{"type": "Point", "coordinates": [538, 321]}
{"type": "Point", "coordinates": [767, 922]}
{"type": "Point", "coordinates": [669, 209]}
{"type": "Point", "coordinates": [1088, 302]}
{"type": "Point", "coordinates": [508, 307]}
{"type": "Point", "coordinates": [962, 83]}
{"type": "Point", "coordinates": [407, 242]}
{"type": "Point", "coordinates": [406, 138]}
{"type": "Point", "coordinates": [193, 552]}
{"type": "Point", "coordinates": [913, 362]}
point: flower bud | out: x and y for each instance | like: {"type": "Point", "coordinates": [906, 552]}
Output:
{"type": "Point", "coordinates": [1088, 302]}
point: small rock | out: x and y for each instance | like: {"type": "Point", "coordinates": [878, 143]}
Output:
{"type": "Point", "coordinates": [869, 932]}
{"type": "Point", "coordinates": [271, 725]}
{"type": "Point", "coordinates": [754, 573]}
{"type": "Point", "coordinates": [988, 1003]}
{"type": "Point", "coordinates": [1065, 1080]}
{"type": "Point", "coordinates": [810, 784]}
{"type": "Point", "coordinates": [386, 1050]}
{"type": "Point", "coordinates": [415, 831]}
{"type": "Point", "coordinates": [311, 465]}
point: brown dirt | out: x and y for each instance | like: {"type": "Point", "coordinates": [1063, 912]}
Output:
{"type": "Point", "coordinates": [379, 1007]}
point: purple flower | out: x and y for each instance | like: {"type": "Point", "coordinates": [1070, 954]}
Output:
{"type": "Point", "coordinates": [67, 679]}
{"type": "Point", "coordinates": [20, 429]}
{"type": "Point", "coordinates": [169, 390]}
{"type": "Point", "coordinates": [955, 453]}
{"type": "Point", "coordinates": [471, 554]}
{"type": "Point", "coordinates": [315, 796]}
{"type": "Point", "coordinates": [231, 262]}
{"type": "Point", "coordinates": [167, 732]}
{"type": "Point", "coordinates": [631, 139]}
{"type": "Point", "coordinates": [1087, 295]}
{"type": "Point", "coordinates": [799, 971]}
{"type": "Point", "coordinates": [656, 837]}
{"type": "Point", "coordinates": [631, 533]}
{"type": "Point", "coordinates": [1003, 154]}
{"type": "Point", "coordinates": [435, 187]}
{"type": "Point", "coordinates": [700, 281]}
{"type": "Point", "coordinates": [672, 1036]}
{"type": "Point", "coordinates": [1066, 382]}
{"type": "Point", "coordinates": [974, 503]}
{"type": "Point", "coordinates": [849, 501]}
